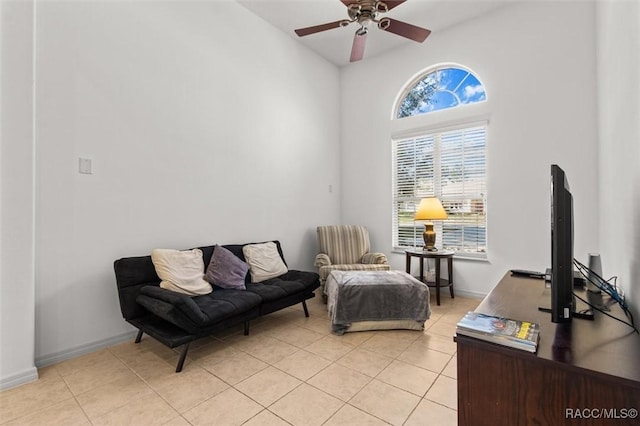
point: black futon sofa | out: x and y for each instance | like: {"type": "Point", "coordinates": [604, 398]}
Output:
{"type": "Point", "coordinates": [176, 319]}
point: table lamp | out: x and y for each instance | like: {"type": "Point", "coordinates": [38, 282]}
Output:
{"type": "Point", "coordinates": [430, 208]}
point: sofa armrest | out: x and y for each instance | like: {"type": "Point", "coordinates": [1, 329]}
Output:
{"type": "Point", "coordinates": [322, 259]}
{"type": "Point", "coordinates": [182, 302]}
{"type": "Point", "coordinates": [375, 258]}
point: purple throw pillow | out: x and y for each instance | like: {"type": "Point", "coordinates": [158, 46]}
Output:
{"type": "Point", "coordinates": [226, 270]}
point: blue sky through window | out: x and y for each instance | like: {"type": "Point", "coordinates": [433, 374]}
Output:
{"type": "Point", "coordinates": [453, 87]}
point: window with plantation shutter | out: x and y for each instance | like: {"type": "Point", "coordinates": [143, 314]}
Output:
{"type": "Point", "coordinates": [446, 160]}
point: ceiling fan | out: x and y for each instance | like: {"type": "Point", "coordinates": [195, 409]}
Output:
{"type": "Point", "coordinates": [364, 13]}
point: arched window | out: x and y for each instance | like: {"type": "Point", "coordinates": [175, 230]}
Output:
{"type": "Point", "coordinates": [445, 159]}
{"type": "Point", "coordinates": [442, 88]}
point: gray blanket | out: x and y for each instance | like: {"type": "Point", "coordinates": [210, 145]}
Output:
{"type": "Point", "coordinates": [375, 296]}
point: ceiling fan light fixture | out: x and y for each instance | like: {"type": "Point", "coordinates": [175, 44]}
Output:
{"type": "Point", "coordinates": [365, 21]}
{"type": "Point", "coordinates": [382, 7]}
{"type": "Point", "coordinates": [384, 23]}
{"type": "Point", "coordinates": [354, 8]}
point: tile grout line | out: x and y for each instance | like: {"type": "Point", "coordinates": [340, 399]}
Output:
{"type": "Point", "coordinates": [352, 347]}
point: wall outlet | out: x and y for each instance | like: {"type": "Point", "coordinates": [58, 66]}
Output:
{"type": "Point", "coordinates": [84, 166]}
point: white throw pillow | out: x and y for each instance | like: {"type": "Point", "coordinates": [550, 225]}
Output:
{"type": "Point", "coordinates": [264, 261]}
{"type": "Point", "coordinates": [181, 271]}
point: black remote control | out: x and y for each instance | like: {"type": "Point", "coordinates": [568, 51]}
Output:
{"type": "Point", "coordinates": [526, 273]}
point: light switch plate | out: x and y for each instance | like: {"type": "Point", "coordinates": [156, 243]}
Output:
{"type": "Point", "coordinates": [84, 166]}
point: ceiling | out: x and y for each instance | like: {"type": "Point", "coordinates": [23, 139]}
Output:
{"type": "Point", "coordinates": [335, 45]}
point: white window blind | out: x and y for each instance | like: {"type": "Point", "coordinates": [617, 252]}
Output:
{"type": "Point", "coordinates": [450, 165]}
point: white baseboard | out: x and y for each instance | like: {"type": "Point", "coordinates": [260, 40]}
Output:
{"type": "Point", "coordinates": [54, 358]}
{"type": "Point", "coordinates": [19, 378]}
{"type": "Point", "coordinates": [470, 294]}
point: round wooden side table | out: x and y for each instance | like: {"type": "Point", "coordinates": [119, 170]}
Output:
{"type": "Point", "coordinates": [438, 256]}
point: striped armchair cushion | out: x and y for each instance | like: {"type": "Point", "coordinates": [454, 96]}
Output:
{"type": "Point", "coordinates": [344, 244]}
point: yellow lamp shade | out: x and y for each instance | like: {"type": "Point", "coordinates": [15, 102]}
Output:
{"type": "Point", "coordinates": [430, 209]}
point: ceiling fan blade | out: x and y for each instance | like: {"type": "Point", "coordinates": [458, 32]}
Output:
{"type": "Point", "coordinates": [393, 3]}
{"type": "Point", "coordinates": [357, 50]}
{"type": "Point", "coordinates": [318, 28]}
{"type": "Point", "coordinates": [406, 30]}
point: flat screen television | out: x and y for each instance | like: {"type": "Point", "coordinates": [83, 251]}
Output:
{"type": "Point", "coordinates": [562, 300]}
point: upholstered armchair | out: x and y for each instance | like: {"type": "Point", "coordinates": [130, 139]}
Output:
{"type": "Point", "coordinates": [346, 248]}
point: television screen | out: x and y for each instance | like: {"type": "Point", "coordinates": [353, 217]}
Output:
{"type": "Point", "coordinates": [562, 303]}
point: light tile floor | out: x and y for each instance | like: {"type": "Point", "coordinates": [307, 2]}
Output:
{"type": "Point", "coordinates": [290, 371]}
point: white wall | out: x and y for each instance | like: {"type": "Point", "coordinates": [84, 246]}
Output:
{"type": "Point", "coordinates": [618, 47]}
{"type": "Point", "coordinates": [537, 62]}
{"type": "Point", "coordinates": [201, 131]}
{"type": "Point", "coordinates": [16, 195]}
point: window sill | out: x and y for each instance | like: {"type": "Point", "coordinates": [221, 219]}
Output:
{"type": "Point", "coordinates": [458, 256]}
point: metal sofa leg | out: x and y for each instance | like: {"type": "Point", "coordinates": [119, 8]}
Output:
{"type": "Point", "coordinates": [246, 328]}
{"type": "Point", "coordinates": [183, 355]}
{"type": "Point", "coordinates": [304, 306]}
{"type": "Point", "coordinates": [139, 336]}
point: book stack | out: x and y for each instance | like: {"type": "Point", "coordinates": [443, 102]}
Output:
{"type": "Point", "coordinates": [503, 331]}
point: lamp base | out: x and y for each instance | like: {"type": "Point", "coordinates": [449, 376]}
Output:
{"type": "Point", "coordinates": [429, 237]}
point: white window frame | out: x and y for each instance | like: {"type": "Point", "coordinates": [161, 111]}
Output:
{"type": "Point", "coordinates": [463, 116]}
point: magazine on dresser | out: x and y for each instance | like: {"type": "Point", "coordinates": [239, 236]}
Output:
{"type": "Point", "coordinates": [514, 333]}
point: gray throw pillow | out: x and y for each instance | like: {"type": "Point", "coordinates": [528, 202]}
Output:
{"type": "Point", "coordinates": [226, 270]}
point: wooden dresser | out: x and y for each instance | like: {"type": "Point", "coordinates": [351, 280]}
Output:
{"type": "Point", "coordinates": [582, 369]}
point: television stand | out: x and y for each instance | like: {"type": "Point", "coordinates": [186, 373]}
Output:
{"type": "Point", "coordinates": [579, 284]}
{"type": "Point", "coordinates": [585, 314]}
{"type": "Point", "coordinates": [586, 309]}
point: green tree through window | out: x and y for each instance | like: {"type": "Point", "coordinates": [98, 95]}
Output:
{"type": "Point", "coordinates": [441, 89]}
